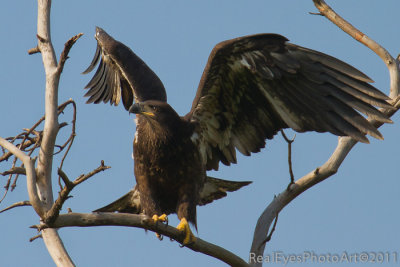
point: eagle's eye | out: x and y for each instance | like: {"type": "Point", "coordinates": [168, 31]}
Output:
{"type": "Point", "coordinates": [154, 108]}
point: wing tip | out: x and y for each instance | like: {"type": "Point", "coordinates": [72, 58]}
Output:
{"type": "Point", "coordinates": [364, 139]}
{"type": "Point", "coordinates": [94, 60]}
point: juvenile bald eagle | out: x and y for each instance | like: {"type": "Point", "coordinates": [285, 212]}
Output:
{"type": "Point", "coordinates": [251, 88]}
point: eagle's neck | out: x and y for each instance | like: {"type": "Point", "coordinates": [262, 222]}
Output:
{"type": "Point", "coordinates": [150, 132]}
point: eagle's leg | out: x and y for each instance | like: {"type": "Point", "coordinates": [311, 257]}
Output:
{"type": "Point", "coordinates": [162, 218]}
{"type": "Point", "coordinates": [183, 226]}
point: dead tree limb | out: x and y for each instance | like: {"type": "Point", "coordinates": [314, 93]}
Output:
{"type": "Point", "coordinates": [17, 204]}
{"type": "Point", "coordinates": [51, 126]}
{"type": "Point", "coordinates": [142, 221]}
{"type": "Point", "coordinates": [53, 213]}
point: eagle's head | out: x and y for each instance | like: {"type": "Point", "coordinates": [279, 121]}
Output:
{"type": "Point", "coordinates": [160, 115]}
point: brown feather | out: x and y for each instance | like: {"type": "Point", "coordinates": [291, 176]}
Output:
{"type": "Point", "coordinates": [266, 84]}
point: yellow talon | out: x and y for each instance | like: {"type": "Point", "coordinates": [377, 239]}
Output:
{"type": "Point", "coordinates": [156, 219]}
{"type": "Point", "coordinates": [183, 226]}
{"type": "Point", "coordinates": [160, 237]}
{"type": "Point", "coordinates": [162, 218]}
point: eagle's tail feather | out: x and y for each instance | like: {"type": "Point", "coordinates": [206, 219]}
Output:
{"type": "Point", "coordinates": [128, 203]}
{"type": "Point", "coordinates": [213, 189]}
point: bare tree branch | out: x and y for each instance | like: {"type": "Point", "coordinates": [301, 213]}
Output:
{"type": "Point", "coordinates": [71, 138]}
{"type": "Point", "coordinates": [345, 144]}
{"type": "Point", "coordinates": [289, 142]}
{"type": "Point", "coordinates": [14, 170]}
{"type": "Point", "coordinates": [33, 50]}
{"type": "Point", "coordinates": [142, 221]}
{"type": "Point", "coordinates": [17, 204]}
{"type": "Point", "coordinates": [45, 163]}
{"type": "Point", "coordinates": [53, 213]}
{"type": "Point", "coordinates": [30, 174]}
{"type": "Point", "coordinates": [35, 237]}
{"type": "Point", "coordinates": [50, 130]}
{"type": "Point", "coordinates": [29, 145]}
{"type": "Point", "coordinates": [64, 55]}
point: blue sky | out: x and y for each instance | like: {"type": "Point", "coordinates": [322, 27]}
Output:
{"type": "Point", "coordinates": [354, 211]}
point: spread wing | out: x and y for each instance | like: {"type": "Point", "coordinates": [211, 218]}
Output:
{"type": "Point", "coordinates": [121, 74]}
{"type": "Point", "coordinates": [254, 86]}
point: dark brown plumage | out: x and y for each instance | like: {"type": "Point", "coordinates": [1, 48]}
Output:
{"type": "Point", "coordinates": [168, 167]}
{"type": "Point", "coordinates": [251, 88]}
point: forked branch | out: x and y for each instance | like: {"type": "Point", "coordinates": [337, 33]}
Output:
{"type": "Point", "coordinates": [29, 141]}
{"type": "Point", "coordinates": [53, 213]}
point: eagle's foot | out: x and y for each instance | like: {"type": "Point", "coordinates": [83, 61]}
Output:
{"type": "Point", "coordinates": [160, 237]}
{"type": "Point", "coordinates": [156, 219]}
{"type": "Point", "coordinates": [162, 218]}
{"type": "Point", "coordinates": [183, 226]}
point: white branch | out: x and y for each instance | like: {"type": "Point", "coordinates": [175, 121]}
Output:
{"type": "Point", "coordinates": [56, 248]}
{"type": "Point", "coordinates": [30, 174]}
{"type": "Point", "coordinates": [50, 130]}
{"type": "Point", "coordinates": [50, 236]}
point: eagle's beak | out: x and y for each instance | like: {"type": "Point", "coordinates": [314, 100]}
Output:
{"type": "Point", "coordinates": [138, 108]}
{"type": "Point", "coordinates": [135, 108]}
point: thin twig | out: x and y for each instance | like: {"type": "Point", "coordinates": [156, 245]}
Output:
{"type": "Point", "coordinates": [67, 47]}
{"type": "Point", "coordinates": [35, 237]}
{"type": "Point", "coordinates": [23, 145]}
{"type": "Point", "coordinates": [71, 137]}
{"type": "Point", "coordinates": [30, 144]}
{"type": "Point", "coordinates": [83, 178]}
{"type": "Point", "coordinates": [14, 184]}
{"type": "Point", "coordinates": [33, 50]}
{"type": "Point", "coordinates": [6, 187]}
{"type": "Point", "coordinates": [65, 178]}
{"type": "Point", "coordinates": [17, 204]}
{"type": "Point", "coordinates": [289, 142]}
{"type": "Point", "coordinates": [15, 170]}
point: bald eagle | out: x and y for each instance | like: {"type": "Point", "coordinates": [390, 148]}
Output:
{"type": "Point", "coordinates": [251, 88]}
